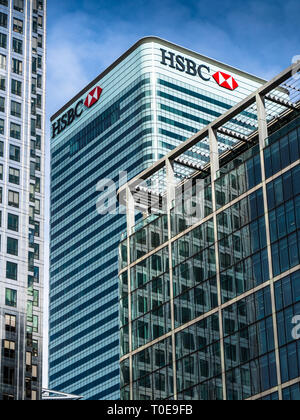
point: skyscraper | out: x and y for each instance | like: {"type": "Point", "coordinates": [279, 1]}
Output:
{"type": "Point", "coordinates": [22, 119]}
{"type": "Point", "coordinates": [145, 104]}
{"type": "Point", "coordinates": [210, 278]}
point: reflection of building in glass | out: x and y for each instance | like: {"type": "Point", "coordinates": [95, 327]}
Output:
{"type": "Point", "coordinates": [210, 278]}
{"type": "Point", "coordinates": [22, 152]}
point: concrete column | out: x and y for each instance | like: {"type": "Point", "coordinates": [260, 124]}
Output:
{"type": "Point", "coordinates": [170, 179]}
{"type": "Point", "coordinates": [263, 135]}
{"type": "Point", "coordinates": [214, 154]}
{"type": "Point", "coordinates": [130, 211]}
{"type": "Point", "coordinates": [130, 216]}
{"type": "Point", "coordinates": [215, 166]}
{"type": "Point", "coordinates": [262, 120]}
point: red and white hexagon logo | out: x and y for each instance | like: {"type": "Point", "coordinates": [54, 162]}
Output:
{"type": "Point", "coordinates": [225, 80]}
{"type": "Point", "coordinates": [93, 97]}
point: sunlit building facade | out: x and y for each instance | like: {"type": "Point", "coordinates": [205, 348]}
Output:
{"type": "Point", "coordinates": [210, 277]}
{"type": "Point", "coordinates": [144, 105]}
{"type": "Point", "coordinates": [22, 122]}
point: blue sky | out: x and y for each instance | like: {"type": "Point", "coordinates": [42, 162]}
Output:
{"type": "Point", "coordinates": [85, 36]}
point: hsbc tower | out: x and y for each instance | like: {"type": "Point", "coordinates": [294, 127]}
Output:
{"type": "Point", "coordinates": [144, 105]}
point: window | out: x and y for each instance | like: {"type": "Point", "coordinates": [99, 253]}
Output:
{"type": "Point", "coordinates": [33, 106]}
{"type": "Point", "coordinates": [38, 121]}
{"type": "Point", "coordinates": [11, 297]}
{"type": "Point", "coordinates": [33, 127]}
{"type": "Point", "coordinates": [35, 348]}
{"type": "Point", "coordinates": [31, 215]}
{"type": "Point", "coordinates": [2, 83]}
{"type": "Point", "coordinates": [34, 44]}
{"type": "Point", "coordinates": [3, 20]}
{"type": "Point", "coordinates": [16, 87]}
{"type": "Point", "coordinates": [39, 62]}
{"type": "Point", "coordinates": [32, 149]}
{"type": "Point", "coordinates": [10, 323]}
{"type": "Point", "coordinates": [15, 131]}
{"type": "Point", "coordinates": [2, 61]}
{"type": "Point", "coordinates": [40, 41]}
{"type": "Point", "coordinates": [36, 251]}
{"type": "Point", "coordinates": [34, 24]}
{"type": "Point", "coordinates": [12, 246]}
{"type": "Point", "coordinates": [33, 86]}
{"type": "Point", "coordinates": [37, 5]}
{"type": "Point", "coordinates": [9, 375]}
{"type": "Point", "coordinates": [38, 142]}
{"type": "Point", "coordinates": [31, 193]}
{"type": "Point", "coordinates": [17, 46]}
{"type": "Point", "coordinates": [15, 109]}
{"type": "Point", "coordinates": [3, 40]}
{"type": "Point", "coordinates": [1, 126]}
{"type": "Point", "coordinates": [9, 349]}
{"type": "Point", "coordinates": [36, 229]}
{"type": "Point", "coordinates": [37, 209]}
{"type": "Point", "coordinates": [1, 149]}
{"type": "Point", "coordinates": [19, 5]}
{"type": "Point", "coordinates": [30, 261]}
{"type": "Point", "coordinates": [39, 101]}
{"type": "Point", "coordinates": [17, 66]}
{"type": "Point", "coordinates": [2, 104]}
{"type": "Point", "coordinates": [1, 172]}
{"type": "Point", "coordinates": [34, 372]}
{"type": "Point", "coordinates": [4, 2]}
{"type": "Point", "coordinates": [40, 22]}
{"type": "Point", "coordinates": [38, 163]}
{"type": "Point", "coordinates": [37, 187]}
{"type": "Point", "coordinates": [18, 26]}
{"type": "Point", "coordinates": [34, 65]}
{"type": "Point", "coordinates": [13, 222]}
{"type": "Point", "coordinates": [39, 81]}
{"type": "Point", "coordinates": [35, 327]}
{"type": "Point", "coordinates": [32, 170]}
{"type": "Point", "coordinates": [14, 176]}
{"type": "Point", "coordinates": [14, 153]}
{"type": "Point", "coordinates": [36, 298]}
{"type": "Point", "coordinates": [13, 199]}
{"type": "Point", "coordinates": [36, 272]}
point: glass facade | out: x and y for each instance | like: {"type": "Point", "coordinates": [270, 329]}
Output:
{"type": "Point", "coordinates": [146, 109]}
{"type": "Point", "coordinates": [208, 305]}
{"type": "Point", "coordinates": [22, 126]}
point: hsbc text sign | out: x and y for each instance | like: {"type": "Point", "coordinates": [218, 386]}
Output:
{"type": "Point", "coordinates": [69, 117]}
{"type": "Point", "coordinates": [188, 66]}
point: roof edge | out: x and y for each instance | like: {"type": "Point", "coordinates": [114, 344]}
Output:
{"type": "Point", "coordinates": [140, 42]}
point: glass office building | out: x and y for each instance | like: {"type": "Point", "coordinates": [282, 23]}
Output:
{"type": "Point", "coordinates": [144, 105]}
{"type": "Point", "coordinates": [22, 121]}
{"type": "Point", "coordinates": [210, 277]}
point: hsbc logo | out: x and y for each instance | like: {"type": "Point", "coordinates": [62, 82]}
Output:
{"type": "Point", "coordinates": [188, 66]}
{"type": "Point", "coordinates": [225, 80]}
{"type": "Point", "coordinates": [69, 117]}
{"type": "Point", "coordinates": [93, 97]}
